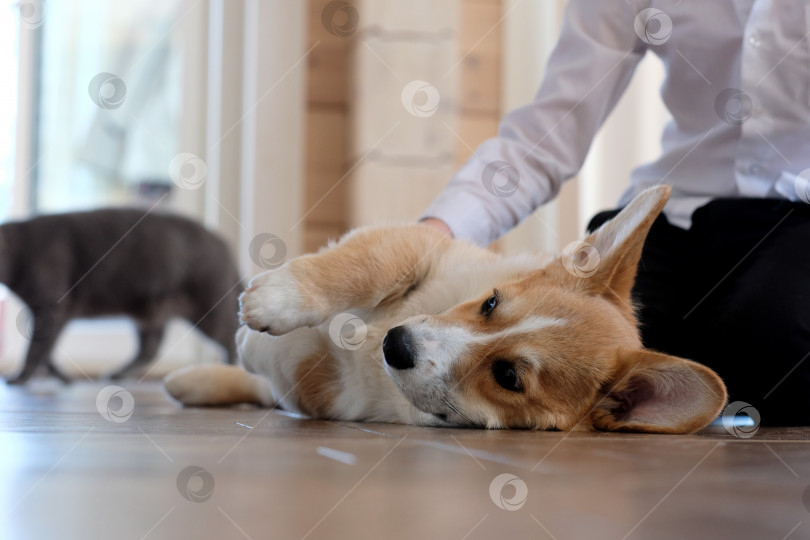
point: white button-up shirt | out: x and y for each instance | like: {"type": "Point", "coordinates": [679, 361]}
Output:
{"type": "Point", "coordinates": [737, 85]}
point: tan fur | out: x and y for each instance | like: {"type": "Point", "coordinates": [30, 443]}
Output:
{"type": "Point", "coordinates": [571, 337]}
{"type": "Point", "coordinates": [575, 358]}
{"type": "Point", "coordinates": [396, 264]}
{"type": "Point", "coordinates": [213, 385]}
{"type": "Point", "coordinates": [317, 387]}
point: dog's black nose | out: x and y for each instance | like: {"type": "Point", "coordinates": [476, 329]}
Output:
{"type": "Point", "coordinates": [398, 348]}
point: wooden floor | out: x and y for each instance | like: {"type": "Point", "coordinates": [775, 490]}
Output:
{"type": "Point", "coordinates": [164, 472]}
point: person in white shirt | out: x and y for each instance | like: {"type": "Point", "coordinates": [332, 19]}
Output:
{"type": "Point", "coordinates": [725, 274]}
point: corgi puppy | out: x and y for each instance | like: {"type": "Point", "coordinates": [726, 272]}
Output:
{"type": "Point", "coordinates": [402, 324]}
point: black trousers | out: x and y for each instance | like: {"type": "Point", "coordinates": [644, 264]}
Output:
{"type": "Point", "coordinates": [733, 292]}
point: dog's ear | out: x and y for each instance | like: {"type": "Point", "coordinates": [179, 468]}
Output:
{"type": "Point", "coordinates": [657, 393]}
{"type": "Point", "coordinates": [605, 262]}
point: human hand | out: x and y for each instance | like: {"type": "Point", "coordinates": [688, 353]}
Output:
{"type": "Point", "coordinates": [439, 225]}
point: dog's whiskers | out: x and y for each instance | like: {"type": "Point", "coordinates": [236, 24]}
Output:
{"type": "Point", "coordinates": [456, 410]}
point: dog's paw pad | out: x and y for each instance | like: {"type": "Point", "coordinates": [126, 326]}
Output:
{"type": "Point", "coordinates": [274, 305]}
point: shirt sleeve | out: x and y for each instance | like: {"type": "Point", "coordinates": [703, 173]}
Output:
{"type": "Point", "coordinates": [542, 144]}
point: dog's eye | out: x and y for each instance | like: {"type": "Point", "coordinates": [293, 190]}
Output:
{"type": "Point", "coordinates": [506, 375]}
{"type": "Point", "coordinates": [490, 303]}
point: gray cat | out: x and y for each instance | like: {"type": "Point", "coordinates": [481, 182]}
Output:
{"type": "Point", "coordinates": [119, 261]}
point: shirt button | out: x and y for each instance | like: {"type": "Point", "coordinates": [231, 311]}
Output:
{"type": "Point", "coordinates": [754, 168]}
{"type": "Point", "coordinates": [754, 41]}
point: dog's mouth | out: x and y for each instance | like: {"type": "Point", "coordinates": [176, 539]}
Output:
{"type": "Point", "coordinates": [445, 411]}
{"type": "Point", "coordinates": [426, 392]}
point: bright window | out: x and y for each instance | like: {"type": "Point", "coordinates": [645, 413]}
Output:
{"type": "Point", "coordinates": [8, 105]}
{"type": "Point", "coordinates": [110, 105]}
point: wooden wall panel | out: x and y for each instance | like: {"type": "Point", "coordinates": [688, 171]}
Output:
{"type": "Point", "coordinates": [327, 131]}
{"type": "Point", "coordinates": [384, 193]}
{"type": "Point", "coordinates": [328, 61]}
{"type": "Point", "coordinates": [317, 236]}
{"type": "Point", "coordinates": [473, 129]}
{"type": "Point", "coordinates": [325, 194]}
{"type": "Point", "coordinates": [479, 46]}
{"type": "Point", "coordinates": [388, 71]}
{"type": "Point", "coordinates": [395, 162]}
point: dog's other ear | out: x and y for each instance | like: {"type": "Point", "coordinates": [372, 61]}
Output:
{"type": "Point", "coordinates": [606, 261]}
{"type": "Point", "coordinates": [657, 393]}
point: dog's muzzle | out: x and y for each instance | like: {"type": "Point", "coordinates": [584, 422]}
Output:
{"type": "Point", "coordinates": [398, 348]}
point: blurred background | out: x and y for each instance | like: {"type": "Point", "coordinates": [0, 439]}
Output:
{"type": "Point", "coordinates": [299, 118]}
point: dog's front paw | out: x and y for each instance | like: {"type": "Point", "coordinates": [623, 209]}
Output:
{"type": "Point", "coordinates": [274, 304]}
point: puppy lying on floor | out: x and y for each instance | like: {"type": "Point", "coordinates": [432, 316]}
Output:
{"type": "Point", "coordinates": [457, 335]}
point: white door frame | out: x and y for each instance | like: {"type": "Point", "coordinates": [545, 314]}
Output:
{"type": "Point", "coordinates": [257, 58]}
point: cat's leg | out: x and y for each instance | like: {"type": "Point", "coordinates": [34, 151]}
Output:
{"type": "Point", "coordinates": [48, 323]}
{"type": "Point", "coordinates": [366, 269]}
{"type": "Point", "coordinates": [53, 371]}
{"type": "Point", "coordinates": [150, 335]}
{"type": "Point", "coordinates": [220, 323]}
